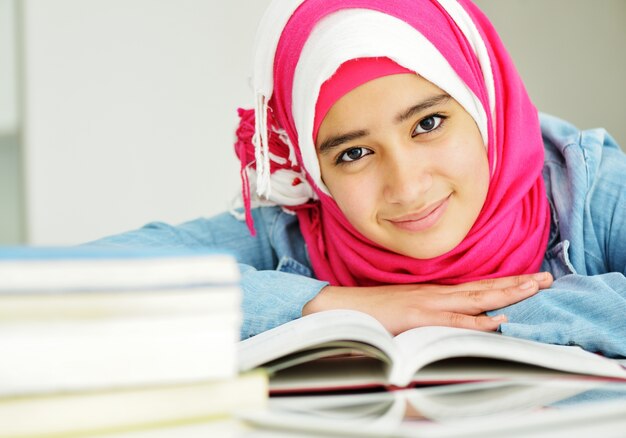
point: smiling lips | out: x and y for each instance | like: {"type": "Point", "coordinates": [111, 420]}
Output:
{"type": "Point", "coordinates": [424, 219]}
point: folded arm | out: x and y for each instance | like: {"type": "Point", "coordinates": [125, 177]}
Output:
{"type": "Point", "coordinates": [276, 280]}
{"type": "Point", "coordinates": [588, 311]}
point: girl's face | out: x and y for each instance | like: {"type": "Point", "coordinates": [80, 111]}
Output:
{"type": "Point", "coordinates": [405, 163]}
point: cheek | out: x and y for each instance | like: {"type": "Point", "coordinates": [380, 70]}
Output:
{"type": "Point", "coordinates": [355, 196]}
{"type": "Point", "coordinates": [467, 161]}
{"type": "Point", "coordinates": [479, 168]}
{"type": "Point", "coordinates": [475, 171]}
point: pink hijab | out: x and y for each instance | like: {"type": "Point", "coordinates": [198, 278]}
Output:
{"type": "Point", "coordinates": [510, 235]}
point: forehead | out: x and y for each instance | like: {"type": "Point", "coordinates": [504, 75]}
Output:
{"type": "Point", "coordinates": [387, 95]}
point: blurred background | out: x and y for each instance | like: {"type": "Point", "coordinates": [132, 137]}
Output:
{"type": "Point", "coordinates": [115, 113]}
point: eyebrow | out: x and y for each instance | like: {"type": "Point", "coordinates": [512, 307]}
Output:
{"type": "Point", "coordinates": [334, 141]}
{"type": "Point", "coordinates": [415, 109]}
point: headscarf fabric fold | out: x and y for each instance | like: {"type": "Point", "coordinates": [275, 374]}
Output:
{"type": "Point", "coordinates": [454, 46]}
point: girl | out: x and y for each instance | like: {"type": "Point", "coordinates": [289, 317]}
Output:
{"type": "Point", "coordinates": [394, 164]}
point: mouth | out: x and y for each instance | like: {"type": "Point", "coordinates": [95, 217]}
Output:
{"type": "Point", "coordinates": [423, 219]}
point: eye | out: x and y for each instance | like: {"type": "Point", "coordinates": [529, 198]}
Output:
{"type": "Point", "coordinates": [352, 154]}
{"type": "Point", "coordinates": [428, 124]}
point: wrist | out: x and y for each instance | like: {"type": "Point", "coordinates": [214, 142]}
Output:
{"type": "Point", "coordinates": [319, 302]}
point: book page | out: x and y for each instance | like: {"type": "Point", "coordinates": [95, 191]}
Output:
{"type": "Point", "coordinates": [451, 402]}
{"type": "Point", "coordinates": [315, 331]}
{"type": "Point", "coordinates": [330, 349]}
{"type": "Point", "coordinates": [425, 345]}
{"type": "Point", "coordinates": [331, 374]}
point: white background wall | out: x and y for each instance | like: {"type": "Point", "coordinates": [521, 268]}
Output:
{"type": "Point", "coordinates": [8, 111]}
{"type": "Point", "coordinates": [11, 218]}
{"type": "Point", "coordinates": [129, 105]}
{"type": "Point", "coordinates": [571, 55]}
{"type": "Point", "coordinates": [130, 109]}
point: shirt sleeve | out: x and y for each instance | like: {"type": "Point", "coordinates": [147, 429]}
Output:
{"type": "Point", "coordinates": [272, 298]}
{"type": "Point", "coordinates": [222, 232]}
{"type": "Point", "coordinates": [605, 209]}
{"type": "Point", "coordinates": [588, 311]}
{"type": "Point", "coordinates": [276, 281]}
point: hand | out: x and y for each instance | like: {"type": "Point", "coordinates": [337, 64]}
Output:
{"type": "Point", "coordinates": [402, 307]}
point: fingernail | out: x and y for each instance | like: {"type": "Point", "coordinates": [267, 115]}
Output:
{"type": "Point", "coordinates": [498, 318]}
{"type": "Point", "coordinates": [540, 276]}
{"type": "Point", "coordinates": [527, 285]}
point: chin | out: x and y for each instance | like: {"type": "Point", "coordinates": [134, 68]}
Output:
{"type": "Point", "coordinates": [427, 253]}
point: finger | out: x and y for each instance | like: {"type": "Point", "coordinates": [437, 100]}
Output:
{"type": "Point", "coordinates": [482, 323]}
{"type": "Point", "coordinates": [474, 302]}
{"type": "Point", "coordinates": [544, 280]}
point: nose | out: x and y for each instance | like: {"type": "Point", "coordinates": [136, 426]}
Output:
{"type": "Point", "coordinates": [406, 179]}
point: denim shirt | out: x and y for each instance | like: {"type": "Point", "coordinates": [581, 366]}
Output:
{"type": "Point", "coordinates": [584, 174]}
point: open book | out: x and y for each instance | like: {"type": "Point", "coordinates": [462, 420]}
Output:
{"type": "Point", "coordinates": [340, 349]}
{"type": "Point", "coordinates": [564, 408]}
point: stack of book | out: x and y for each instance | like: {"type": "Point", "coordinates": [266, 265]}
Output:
{"type": "Point", "coordinates": [339, 350]}
{"type": "Point", "coordinates": [99, 339]}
